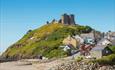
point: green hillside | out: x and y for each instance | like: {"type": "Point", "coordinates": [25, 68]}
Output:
{"type": "Point", "coordinates": [44, 41]}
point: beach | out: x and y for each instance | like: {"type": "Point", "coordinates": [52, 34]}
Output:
{"type": "Point", "coordinates": [31, 64]}
{"type": "Point", "coordinates": [14, 66]}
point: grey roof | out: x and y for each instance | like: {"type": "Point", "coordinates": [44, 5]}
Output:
{"type": "Point", "coordinates": [98, 47]}
{"type": "Point", "coordinates": [103, 39]}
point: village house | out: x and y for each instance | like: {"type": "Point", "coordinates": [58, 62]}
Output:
{"type": "Point", "coordinates": [79, 39]}
{"type": "Point", "coordinates": [78, 42]}
{"type": "Point", "coordinates": [91, 38]}
{"type": "Point", "coordinates": [70, 41]}
{"type": "Point", "coordinates": [85, 49]}
{"type": "Point", "coordinates": [99, 51]}
{"type": "Point", "coordinates": [113, 42]}
{"type": "Point", "coordinates": [110, 36]}
{"type": "Point", "coordinates": [104, 42]}
{"type": "Point", "coordinates": [88, 38]}
{"type": "Point", "coordinates": [70, 49]}
{"type": "Point", "coordinates": [65, 48]}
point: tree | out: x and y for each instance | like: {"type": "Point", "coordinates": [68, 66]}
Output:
{"type": "Point", "coordinates": [47, 22]}
{"type": "Point", "coordinates": [29, 31]}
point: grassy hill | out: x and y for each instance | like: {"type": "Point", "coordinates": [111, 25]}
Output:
{"type": "Point", "coordinates": [44, 41]}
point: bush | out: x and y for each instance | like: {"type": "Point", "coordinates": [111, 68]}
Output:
{"type": "Point", "coordinates": [58, 53]}
{"type": "Point", "coordinates": [113, 49]}
{"type": "Point", "coordinates": [84, 29]}
{"type": "Point", "coordinates": [79, 58]}
{"type": "Point", "coordinates": [110, 59]}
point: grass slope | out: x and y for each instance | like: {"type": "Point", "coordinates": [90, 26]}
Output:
{"type": "Point", "coordinates": [44, 41]}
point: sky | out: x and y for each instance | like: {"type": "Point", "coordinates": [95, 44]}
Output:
{"type": "Point", "coordinates": [18, 16]}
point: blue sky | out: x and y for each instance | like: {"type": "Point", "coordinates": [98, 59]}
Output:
{"type": "Point", "coordinates": [18, 16]}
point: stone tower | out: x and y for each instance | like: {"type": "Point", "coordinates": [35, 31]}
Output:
{"type": "Point", "coordinates": [67, 19]}
{"type": "Point", "coordinates": [72, 21]}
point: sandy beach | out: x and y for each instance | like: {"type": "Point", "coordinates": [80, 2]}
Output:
{"type": "Point", "coordinates": [28, 65]}
{"type": "Point", "coordinates": [14, 66]}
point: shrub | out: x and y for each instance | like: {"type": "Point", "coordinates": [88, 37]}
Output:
{"type": "Point", "coordinates": [110, 59]}
{"type": "Point", "coordinates": [56, 53]}
{"type": "Point", "coordinates": [113, 49]}
{"type": "Point", "coordinates": [79, 58]}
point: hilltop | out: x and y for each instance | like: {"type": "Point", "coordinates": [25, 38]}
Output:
{"type": "Point", "coordinates": [46, 40]}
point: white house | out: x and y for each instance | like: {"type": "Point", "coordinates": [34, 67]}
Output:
{"type": "Point", "coordinates": [66, 48]}
{"type": "Point", "coordinates": [79, 39]}
{"type": "Point", "coordinates": [104, 42]}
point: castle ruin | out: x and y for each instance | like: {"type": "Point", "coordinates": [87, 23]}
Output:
{"type": "Point", "coordinates": [67, 19]}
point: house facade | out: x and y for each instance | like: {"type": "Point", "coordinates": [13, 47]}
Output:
{"type": "Point", "coordinates": [99, 52]}
{"type": "Point", "coordinates": [70, 41]}
{"type": "Point", "coordinates": [91, 37]}
{"type": "Point", "coordinates": [104, 42]}
{"type": "Point", "coordinates": [79, 39]}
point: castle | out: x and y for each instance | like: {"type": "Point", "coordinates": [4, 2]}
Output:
{"type": "Point", "coordinates": [65, 19]}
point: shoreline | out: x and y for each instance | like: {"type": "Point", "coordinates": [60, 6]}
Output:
{"type": "Point", "coordinates": [36, 64]}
